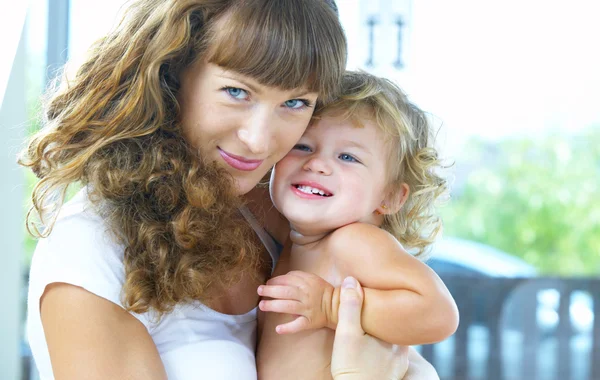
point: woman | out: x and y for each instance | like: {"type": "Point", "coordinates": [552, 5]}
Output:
{"type": "Point", "coordinates": [151, 269]}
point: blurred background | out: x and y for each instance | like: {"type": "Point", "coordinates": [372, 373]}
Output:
{"type": "Point", "coordinates": [514, 87]}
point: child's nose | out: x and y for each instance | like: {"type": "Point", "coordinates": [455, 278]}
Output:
{"type": "Point", "coordinates": [317, 164]}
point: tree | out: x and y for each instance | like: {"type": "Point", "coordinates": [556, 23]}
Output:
{"type": "Point", "coordinates": [537, 199]}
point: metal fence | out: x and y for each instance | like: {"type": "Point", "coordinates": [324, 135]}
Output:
{"type": "Point", "coordinates": [523, 328]}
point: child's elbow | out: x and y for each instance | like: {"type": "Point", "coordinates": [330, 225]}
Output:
{"type": "Point", "coordinates": [446, 320]}
{"type": "Point", "coordinates": [452, 321]}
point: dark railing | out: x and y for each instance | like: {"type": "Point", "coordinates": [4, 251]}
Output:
{"type": "Point", "coordinates": [522, 328]}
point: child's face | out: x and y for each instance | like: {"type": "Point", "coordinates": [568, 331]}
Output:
{"type": "Point", "coordinates": [335, 175]}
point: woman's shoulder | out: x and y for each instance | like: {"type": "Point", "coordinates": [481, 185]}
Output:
{"type": "Point", "coordinates": [81, 251]}
{"type": "Point", "coordinates": [79, 226]}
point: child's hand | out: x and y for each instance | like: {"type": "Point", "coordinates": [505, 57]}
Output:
{"type": "Point", "coordinates": [304, 295]}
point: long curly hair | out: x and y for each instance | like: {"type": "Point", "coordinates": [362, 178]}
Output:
{"type": "Point", "coordinates": [414, 160]}
{"type": "Point", "coordinates": [114, 127]}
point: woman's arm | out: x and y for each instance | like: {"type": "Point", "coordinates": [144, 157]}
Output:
{"type": "Point", "coordinates": [90, 337]}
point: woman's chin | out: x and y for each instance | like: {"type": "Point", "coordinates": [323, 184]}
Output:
{"type": "Point", "coordinates": [244, 185]}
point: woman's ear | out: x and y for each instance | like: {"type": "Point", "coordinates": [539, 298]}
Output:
{"type": "Point", "coordinates": [395, 199]}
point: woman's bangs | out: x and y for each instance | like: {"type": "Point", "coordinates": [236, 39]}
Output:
{"type": "Point", "coordinates": [281, 46]}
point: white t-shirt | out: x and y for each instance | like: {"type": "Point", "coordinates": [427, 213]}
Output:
{"type": "Point", "coordinates": [193, 341]}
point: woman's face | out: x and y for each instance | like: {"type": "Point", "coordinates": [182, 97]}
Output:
{"type": "Point", "coordinates": [243, 125]}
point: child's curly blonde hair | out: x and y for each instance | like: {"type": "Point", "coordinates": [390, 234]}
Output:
{"type": "Point", "coordinates": [415, 160]}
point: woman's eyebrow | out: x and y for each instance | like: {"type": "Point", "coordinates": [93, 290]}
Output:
{"type": "Point", "coordinates": [302, 93]}
{"type": "Point", "coordinates": [234, 77]}
{"type": "Point", "coordinates": [256, 87]}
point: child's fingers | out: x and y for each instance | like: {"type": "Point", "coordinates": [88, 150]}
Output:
{"type": "Point", "coordinates": [280, 292]}
{"type": "Point", "coordinates": [297, 325]}
{"type": "Point", "coordinates": [285, 280]}
{"type": "Point", "coordinates": [282, 306]}
{"type": "Point", "coordinates": [301, 274]}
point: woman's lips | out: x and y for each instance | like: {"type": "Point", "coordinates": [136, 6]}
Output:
{"type": "Point", "coordinates": [238, 162]}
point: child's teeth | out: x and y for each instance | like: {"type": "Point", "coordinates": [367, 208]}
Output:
{"type": "Point", "coordinates": [310, 190]}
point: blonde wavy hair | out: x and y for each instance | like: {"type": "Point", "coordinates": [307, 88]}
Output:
{"type": "Point", "coordinates": [414, 159]}
{"type": "Point", "coordinates": [114, 127]}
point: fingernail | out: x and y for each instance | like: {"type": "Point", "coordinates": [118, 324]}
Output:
{"type": "Point", "coordinates": [349, 282]}
{"type": "Point", "coordinates": [260, 289]}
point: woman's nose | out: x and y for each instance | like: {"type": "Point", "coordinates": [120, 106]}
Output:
{"type": "Point", "coordinates": [256, 132]}
{"type": "Point", "coordinates": [317, 164]}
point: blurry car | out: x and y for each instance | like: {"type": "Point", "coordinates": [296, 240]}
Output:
{"type": "Point", "coordinates": [459, 257]}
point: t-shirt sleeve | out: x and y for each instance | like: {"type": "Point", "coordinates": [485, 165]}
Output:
{"type": "Point", "coordinates": [79, 251]}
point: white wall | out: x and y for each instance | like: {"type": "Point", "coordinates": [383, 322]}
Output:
{"type": "Point", "coordinates": [12, 118]}
{"type": "Point", "coordinates": [491, 68]}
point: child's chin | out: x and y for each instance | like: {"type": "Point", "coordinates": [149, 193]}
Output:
{"type": "Point", "coordinates": [304, 219]}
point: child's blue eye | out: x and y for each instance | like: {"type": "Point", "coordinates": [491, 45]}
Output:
{"type": "Point", "coordinates": [297, 103]}
{"type": "Point", "coordinates": [236, 93]}
{"type": "Point", "coordinates": [347, 157]}
{"type": "Point", "coordinates": [302, 147]}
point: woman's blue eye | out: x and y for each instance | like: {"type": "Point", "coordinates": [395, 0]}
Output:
{"type": "Point", "coordinates": [302, 147]}
{"type": "Point", "coordinates": [296, 103]}
{"type": "Point", "coordinates": [347, 157]}
{"type": "Point", "coordinates": [236, 93]}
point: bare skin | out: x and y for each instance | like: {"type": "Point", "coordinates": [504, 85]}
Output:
{"type": "Point", "coordinates": [90, 337]}
{"type": "Point", "coordinates": [413, 293]}
{"type": "Point", "coordinates": [354, 350]}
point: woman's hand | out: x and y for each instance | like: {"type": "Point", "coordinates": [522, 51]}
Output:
{"type": "Point", "coordinates": [358, 356]}
{"type": "Point", "coordinates": [419, 368]}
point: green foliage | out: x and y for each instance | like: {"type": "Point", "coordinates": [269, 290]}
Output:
{"type": "Point", "coordinates": [536, 199]}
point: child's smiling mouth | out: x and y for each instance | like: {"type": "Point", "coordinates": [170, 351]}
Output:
{"type": "Point", "coordinates": [312, 189]}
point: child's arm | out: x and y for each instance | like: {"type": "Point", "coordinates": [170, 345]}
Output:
{"type": "Point", "coordinates": [405, 301]}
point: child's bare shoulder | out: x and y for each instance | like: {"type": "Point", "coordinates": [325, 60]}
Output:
{"type": "Point", "coordinates": [363, 237]}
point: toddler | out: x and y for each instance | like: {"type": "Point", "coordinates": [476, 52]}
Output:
{"type": "Point", "coordinates": [357, 189]}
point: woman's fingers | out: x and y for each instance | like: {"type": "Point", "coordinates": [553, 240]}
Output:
{"type": "Point", "coordinates": [350, 350]}
{"type": "Point", "coordinates": [349, 312]}
{"type": "Point", "coordinates": [359, 356]}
